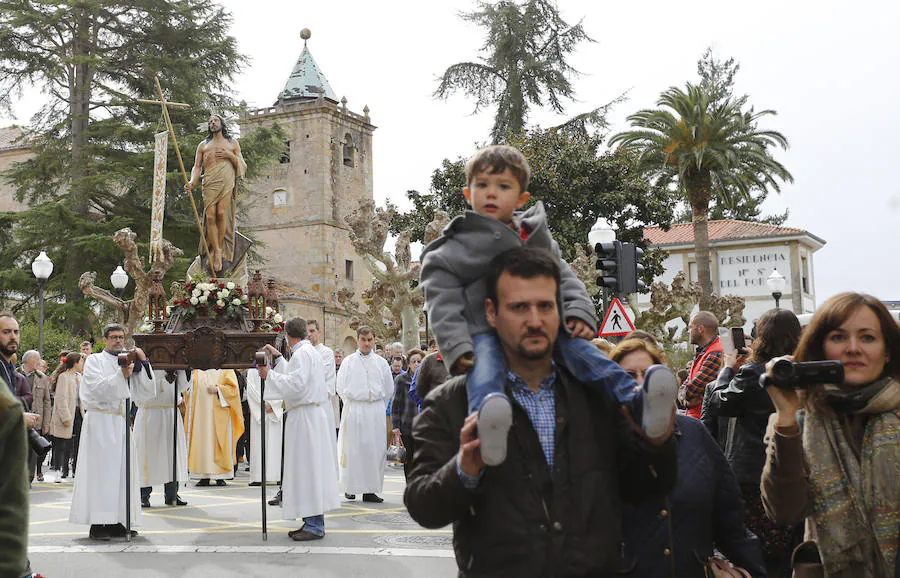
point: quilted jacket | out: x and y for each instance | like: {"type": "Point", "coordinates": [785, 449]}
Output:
{"type": "Point", "coordinates": [671, 537]}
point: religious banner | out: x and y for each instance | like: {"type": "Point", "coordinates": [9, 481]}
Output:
{"type": "Point", "coordinates": [159, 195]}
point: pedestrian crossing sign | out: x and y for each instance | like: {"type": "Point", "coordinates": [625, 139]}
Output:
{"type": "Point", "coordinates": [616, 322]}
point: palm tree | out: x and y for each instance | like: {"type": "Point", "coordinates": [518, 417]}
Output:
{"type": "Point", "coordinates": [706, 148]}
{"type": "Point", "coordinates": [525, 64]}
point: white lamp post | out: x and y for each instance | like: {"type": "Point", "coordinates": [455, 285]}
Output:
{"type": "Point", "coordinates": [119, 280]}
{"type": "Point", "coordinates": [601, 232]}
{"type": "Point", "coordinates": [777, 284]}
{"type": "Point", "coordinates": [42, 267]}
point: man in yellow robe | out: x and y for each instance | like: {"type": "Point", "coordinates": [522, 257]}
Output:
{"type": "Point", "coordinates": [213, 425]}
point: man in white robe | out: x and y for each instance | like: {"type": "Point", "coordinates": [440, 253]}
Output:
{"type": "Point", "coordinates": [153, 427]}
{"type": "Point", "coordinates": [315, 338]}
{"type": "Point", "coordinates": [309, 481]}
{"type": "Point", "coordinates": [365, 386]}
{"type": "Point", "coordinates": [274, 415]}
{"type": "Point", "coordinates": [98, 496]}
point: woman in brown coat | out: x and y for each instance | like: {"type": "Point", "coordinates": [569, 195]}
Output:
{"type": "Point", "coordinates": [63, 417]}
{"type": "Point", "coordinates": [834, 452]}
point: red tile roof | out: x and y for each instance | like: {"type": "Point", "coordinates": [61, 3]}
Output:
{"type": "Point", "coordinates": [8, 137]}
{"type": "Point", "coordinates": [683, 233]}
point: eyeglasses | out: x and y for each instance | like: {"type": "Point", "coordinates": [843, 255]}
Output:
{"type": "Point", "coordinates": [116, 337]}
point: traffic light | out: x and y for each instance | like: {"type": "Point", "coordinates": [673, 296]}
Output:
{"type": "Point", "coordinates": [609, 265]}
{"type": "Point", "coordinates": [630, 270]}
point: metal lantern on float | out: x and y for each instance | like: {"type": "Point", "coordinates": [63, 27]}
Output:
{"type": "Point", "coordinates": [256, 295]}
{"type": "Point", "coordinates": [157, 305]}
{"type": "Point", "coordinates": [272, 296]}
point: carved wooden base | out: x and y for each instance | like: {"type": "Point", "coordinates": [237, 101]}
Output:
{"type": "Point", "coordinates": [203, 348]}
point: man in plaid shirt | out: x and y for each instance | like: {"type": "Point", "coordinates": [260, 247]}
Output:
{"type": "Point", "coordinates": [704, 333]}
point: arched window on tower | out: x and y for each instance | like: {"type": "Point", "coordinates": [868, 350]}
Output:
{"type": "Point", "coordinates": [349, 151]}
{"type": "Point", "coordinates": [279, 198]}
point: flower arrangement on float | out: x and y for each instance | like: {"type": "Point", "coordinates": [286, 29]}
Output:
{"type": "Point", "coordinates": [212, 298]}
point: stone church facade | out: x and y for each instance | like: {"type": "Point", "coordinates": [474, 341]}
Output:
{"type": "Point", "coordinates": [297, 209]}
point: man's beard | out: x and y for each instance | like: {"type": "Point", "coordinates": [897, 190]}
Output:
{"type": "Point", "coordinates": [9, 349]}
{"type": "Point", "coordinates": [534, 354]}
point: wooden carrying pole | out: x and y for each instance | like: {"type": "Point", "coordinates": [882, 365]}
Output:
{"type": "Point", "coordinates": [262, 359]}
{"type": "Point", "coordinates": [162, 99]}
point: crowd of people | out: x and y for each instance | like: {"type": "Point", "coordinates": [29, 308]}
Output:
{"type": "Point", "coordinates": [550, 452]}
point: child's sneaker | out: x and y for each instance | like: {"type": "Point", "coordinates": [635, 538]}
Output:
{"type": "Point", "coordinates": [659, 391]}
{"type": "Point", "coordinates": [494, 421]}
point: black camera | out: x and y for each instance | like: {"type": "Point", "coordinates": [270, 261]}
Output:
{"type": "Point", "coordinates": [38, 443]}
{"type": "Point", "coordinates": [788, 374]}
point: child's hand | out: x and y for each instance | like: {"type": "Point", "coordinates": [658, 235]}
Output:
{"type": "Point", "coordinates": [465, 362]}
{"type": "Point", "coordinates": [579, 328]}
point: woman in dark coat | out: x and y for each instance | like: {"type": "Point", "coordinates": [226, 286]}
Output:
{"type": "Point", "coordinates": [675, 537]}
{"type": "Point", "coordinates": [738, 407]}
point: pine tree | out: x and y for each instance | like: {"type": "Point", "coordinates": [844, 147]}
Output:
{"type": "Point", "coordinates": [91, 172]}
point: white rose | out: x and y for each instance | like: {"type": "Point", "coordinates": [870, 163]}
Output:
{"type": "Point", "coordinates": [220, 303]}
{"type": "Point", "coordinates": [244, 298]}
{"type": "Point", "coordinates": [269, 311]}
{"type": "Point", "coordinates": [194, 301]}
{"type": "Point", "coordinates": [229, 285]}
{"type": "Point", "coordinates": [277, 318]}
{"type": "Point", "coordinates": [236, 302]}
{"type": "Point", "coordinates": [224, 294]}
{"type": "Point", "coordinates": [205, 295]}
{"type": "Point", "coordinates": [168, 309]}
{"type": "Point", "coordinates": [195, 292]}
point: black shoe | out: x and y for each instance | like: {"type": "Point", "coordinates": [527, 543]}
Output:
{"type": "Point", "coordinates": [255, 484]}
{"type": "Point", "coordinates": [99, 532]}
{"type": "Point", "coordinates": [176, 502]}
{"type": "Point", "coordinates": [372, 498]}
{"type": "Point", "coordinates": [145, 502]}
{"type": "Point", "coordinates": [350, 496]}
{"type": "Point", "coordinates": [276, 501]}
{"type": "Point", "coordinates": [221, 483]}
{"type": "Point", "coordinates": [204, 483]}
{"type": "Point", "coordinates": [118, 531]}
{"type": "Point", "coordinates": [304, 536]}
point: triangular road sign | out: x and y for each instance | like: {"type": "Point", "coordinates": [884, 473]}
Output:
{"type": "Point", "coordinates": [616, 321]}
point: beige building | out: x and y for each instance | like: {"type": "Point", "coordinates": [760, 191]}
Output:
{"type": "Point", "coordinates": [13, 149]}
{"type": "Point", "coordinates": [297, 209]}
{"type": "Point", "coordinates": [742, 256]}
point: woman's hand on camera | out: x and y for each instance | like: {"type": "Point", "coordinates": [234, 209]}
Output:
{"type": "Point", "coordinates": [31, 419]}
{"type": "Point", "coordinates": [786, 401]}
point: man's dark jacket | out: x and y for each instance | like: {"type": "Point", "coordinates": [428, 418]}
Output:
{"type": "Point", "coordinates": [524, 520]}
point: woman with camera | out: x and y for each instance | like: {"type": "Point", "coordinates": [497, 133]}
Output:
{"type": "Point", "coordinates": [834, 449]}
{"type": "Point", "coordinates": [740, 410]}
{"type": "Point", "coordinates": [676, 536]}
{"type": "Point", "coordinates": [62, 419]}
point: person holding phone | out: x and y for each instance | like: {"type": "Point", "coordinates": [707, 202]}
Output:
{"type": "Point", "coordinates": [737, 410]}
{"type": "Point", "coordinates": [833, 450]}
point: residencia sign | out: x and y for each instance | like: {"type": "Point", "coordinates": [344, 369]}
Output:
{"type": "Point", "coordinates": [743, 272]}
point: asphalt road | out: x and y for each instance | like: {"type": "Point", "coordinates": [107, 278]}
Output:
{"type": "Point", "coordinates": [218, 534]}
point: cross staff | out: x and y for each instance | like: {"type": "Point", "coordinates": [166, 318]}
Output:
{"type": "Point", "coordinates": [162, 101]}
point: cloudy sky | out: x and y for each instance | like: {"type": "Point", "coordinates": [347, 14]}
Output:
{"type": "Point", "coordinates": [828, 68]}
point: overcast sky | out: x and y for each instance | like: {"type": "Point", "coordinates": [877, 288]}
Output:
{"type": "Point", "coordinates": [828, 68]}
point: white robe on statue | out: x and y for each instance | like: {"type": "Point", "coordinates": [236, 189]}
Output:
{"type": "Point", "coordinates": [364, 383]}
{"type": "Point", "coordinates": [153, 432]}
{"type": "Point", "coordinates": [98, 496]}
{"type": "Point", "coordinates": [309, 483]}
{"type": "Point", "coordinates": [274, 427]}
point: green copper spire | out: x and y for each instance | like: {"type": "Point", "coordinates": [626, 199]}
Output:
{"type": "Point", "coordinates": [306, 80]}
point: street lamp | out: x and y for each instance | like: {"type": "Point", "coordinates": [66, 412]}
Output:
{"type": "Point", "coordinates": [776, 283]}
{"type": "Point", "coordinates": [601, 232]}
{"type": "Point", "coordinates": [119, 280]}
{"type": "Point", "coordinates": [42, 267]}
